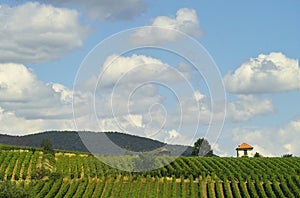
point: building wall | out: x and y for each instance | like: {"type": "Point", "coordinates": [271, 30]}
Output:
{"type": "Point", "coordinates": [240, 153]}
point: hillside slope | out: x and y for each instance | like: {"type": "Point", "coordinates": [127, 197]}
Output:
{"type": "Point", "coordinates": [67, 174]}
{"type": "Point", "coordinates": [71, 140]}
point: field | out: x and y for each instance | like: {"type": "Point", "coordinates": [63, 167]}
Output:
{"type": "Point", "coordinates": [81, 175]}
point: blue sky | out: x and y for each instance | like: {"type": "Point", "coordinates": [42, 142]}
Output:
{"type": "Point", "coordinates": [255, 46]}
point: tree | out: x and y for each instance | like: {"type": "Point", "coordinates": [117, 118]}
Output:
{"type": "Point", "coordinates": [202, 148]}
{"type": "Point", "coordinates": [287, 155]}
{"type": "Point", "coordinates": [47, 146]}
{"type": "Point", "coordinates": [257, 155]}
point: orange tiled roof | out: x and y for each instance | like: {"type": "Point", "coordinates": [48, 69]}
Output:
{"type": "Point", "coordinates": [244, 146]}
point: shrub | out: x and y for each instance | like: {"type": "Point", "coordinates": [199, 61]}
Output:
{"type": "Point", "coordinates": [287, 155]}
{"type": "Point", "coordinates": [54, 176]}
{"type": "Point", "coordinates": [11, 190]}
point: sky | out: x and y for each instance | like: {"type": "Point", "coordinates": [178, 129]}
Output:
{"type": "Point", "coordinates": [168, 70]}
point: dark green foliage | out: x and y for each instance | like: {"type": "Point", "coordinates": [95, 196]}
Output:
{"type": "Point", "coordinates": [55, 176]}
{"type": "Point", "coordinates": [47, 146]}
{"type": "Point", "coordinates": [90, 190]}
{"type": "Point", "coordinates": [277, 190]}
{"type": "Point", "coordinates": [218, 188]}
{"type": "Point", "coordinates": [257, 155]}
{"type": "Point", "coordinates": [73, 188]}
{"type": "Point", "coordinates": [202, 148]}
{"type": "Point", "coordinates": [183, 187]}
{"type": "Point", "coordinates": [210, 189]}
{"type": "Point", "coordinates": [251, 188]}
{"type": "Point", "coordinates": [2, 175]}
{"type": "Point", "coordinates": [64, 189]}
{"type": "Point", "coordinates": [268, 188]}
{"type": "Point", "coordinates": [81, 188]}
{"type": "Point", "coordinates": [287, 155]}
{"type": "Point", "coordinates": [55, 188]}
{"type": "Point", "coordinates": [40, 173]}
{"type": "Point", "coordinates": [11, 190]}
{"type": "Point", "coordinates": [226, 187]}
{"type": "Point", "coordinates": [46, 188]}
{"type": "Point", "coordinates": [32, 149]}
{"type": "Point", "coordinates": [242, 188]}
{"type": "Point", "coordinates": [173, 186]}
{"type": "Point", "coordinates": [192, 186]}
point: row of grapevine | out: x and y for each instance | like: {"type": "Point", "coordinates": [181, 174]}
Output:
{"type": "Point", "coordinates": [80, 167]}
{"type": "Point", "coordinates": [19, 165]}
{"type": "Point", "coordinates": [164, 187]}
{"type": "Point", "coordinates": [11, 165]}
{"type": "Point", "coordinates": [5, 163]}
{"type": "Point", "coordinates": [82, 175]}
{"type": "Point", "coordinates": [14, 164]}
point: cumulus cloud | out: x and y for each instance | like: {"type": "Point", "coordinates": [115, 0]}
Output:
{"type": "Point", "coordinates": [271, 141]}
{"type": "Point", "coordinates": [142, 95]}
{"type": "Point", "coordinates": [198, 96]}
{"type": "Point", "coordinates": [29, 105]}
{"type": "Point", "coordinates": [265, 74]}
{"type": "Point", "coordinates": [106, 9]}
{"type": "Point", "coordinates": [134, 120]}
{"type": "Point", "coordinates": [186, 21]}
{"type": "Point", "coordinates": [33, 32]}
{"type": "Point", "coordinates": [247, 107]}
{"type": "Point", "coordinates": [244, 108]}
{"type": "Point", "coordinates": [12, 124]}
{"type": "Point", "coordinates": [130, 85]}
{"type": "Point", "coordinates": [290, 136]}
{"type": "Point", "coordinates": [129, 91]}
{"type": "Point", "coordinates": [219, 151]}
{"type": "Point", "coordinates": [175, 137]}
{"type": "Point", "coordinates": [138, 68]}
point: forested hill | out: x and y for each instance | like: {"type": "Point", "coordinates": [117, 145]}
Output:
{"type": "Point", "coordinates": [70, 140]}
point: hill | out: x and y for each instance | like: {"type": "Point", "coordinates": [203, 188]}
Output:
{"type": "Point", "coordinates": [34, 173]}
{"type": "Point", "coordinates": [72, 141]}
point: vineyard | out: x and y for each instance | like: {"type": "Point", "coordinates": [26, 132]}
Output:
{"type": "Point", "coordinates": [82, 175]}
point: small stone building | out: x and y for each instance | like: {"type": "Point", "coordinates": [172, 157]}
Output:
{"type": "Point", "coordinates": [242, 150]}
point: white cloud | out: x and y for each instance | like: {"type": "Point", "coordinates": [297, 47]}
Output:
{"type": "Point", "coordinates": [16, 81]}
{"type": "Point", "coordinates": [141, 94]}
{"type": "Point", "coordinates": [265, 74]}
{"type": "Point", "coordinates": [186, 21]}
{"type": "Point", "coordinates": [16, 125]}
{"type": "Point", "coordinates": [219, 151]}
{"type": "Point", "coordinates": [20, 85]}
{"type": "Point", "coordinates": [262, 140]}
{"type": "Point", "coordinates": [122, 85]}
{"type": "Point", "coordinates": [244, 108]}
{"type": "Point", "coordinates": [290, 135]}
{"type": "Point", "coordinates": [134, 120]}
{"type": "Point", "coordinates": [173, 134]}
{"type": "Point", "coordinates": [175, 137]}
{"type": "Point", "coordinates": [29, 105]}
{"type": "Point", "coordinates": [271, 141]}
{"type": "Point", "coordinates": [247, 107]}
{"type": "Point", "coordinates": [138, 68]}
{"type": "Point", "coordinates": [33, 32]}
{"type": "Point", "coordinates": [198, 96]}
{"type": "Point", "coordinates": [107, 9]}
